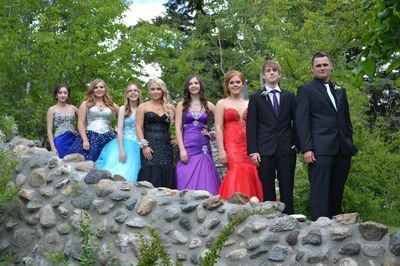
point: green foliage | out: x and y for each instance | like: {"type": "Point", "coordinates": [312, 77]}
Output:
{"type": "Point", "coordinates": [372, 188]}
{"type": "Point", "coordinates": [153, 252]}
{"type": "Point", "coordinates": [8, 128]}
{"type": "Point", "coordinates": [382, 38]}
{"type": "Point", "coordinates": [56, 258]}
{"type": "Point", "coordinates": [7, 166]}
{"type": "Point", "coordinates": [214, 252]}
{"type": "Point", "coordinates": [87, 237]}
{"type": "Point", "coordinates": [50, 42]}
{"type": "Point", "coordinates": [301, 193]}
{"type": "Point", "coordinates": [6, 259]}
{"type": "Point", "coordinates": [76, 188]}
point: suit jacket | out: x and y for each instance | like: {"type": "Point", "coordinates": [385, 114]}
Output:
{"type": "Point", "coordinates": [268, 132]}
{"type": "Point", "coordinates": [320, 127]}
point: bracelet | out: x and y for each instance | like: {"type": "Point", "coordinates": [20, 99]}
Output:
{"type": "Point", "coordinates": [212, 134]}
{"type": "Point", "coordinates": [144, 143]}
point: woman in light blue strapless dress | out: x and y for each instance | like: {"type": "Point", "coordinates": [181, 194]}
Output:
{"type": "Point", "coordinates": [94, 121]}
{"type": "Point", "coordinates": [122, 156]}
{"type": "Point", "coordinates": [61, 118]}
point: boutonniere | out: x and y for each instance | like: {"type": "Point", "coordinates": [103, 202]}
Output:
{"type": "Point", "coordinates": [337, 87]}
{"type": "Point", "coordinates": [264, 93]}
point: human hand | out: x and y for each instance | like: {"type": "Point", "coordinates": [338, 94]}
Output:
{"type": "Point", "coordinates": [294, 147]}
{"type": "Point", "coordinates": [223, 159]}
{"type": "Point", "coordinates": [256, 158]}
{"type": "Point", "coordinates": [148, 153]}
{"type": "Point", "coordinates": [183, 155]}
{"type": "Point", "coordinates": [173, 142]}
{"type": "Point", "coordinates": [86, 145]}
{"type": "Point", "coordinates": [122, 156]}
{"type": "Point", "coordinates": [309, 157]}
{"type": "Point", "coordinates": [54, 151]}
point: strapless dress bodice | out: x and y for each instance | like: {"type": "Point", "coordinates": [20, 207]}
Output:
{"type": "Point", "coordinates": [130, 128]}
{"type": "Point", "coordinates": [63, 122]}
{"type": "Point", "coordinates": [99, 120]}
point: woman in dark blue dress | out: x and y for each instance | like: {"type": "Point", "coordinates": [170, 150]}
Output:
{"type": "Point", "coordinates": [94, 121]}
{"type": "Point", "coordinates": [61, 119]}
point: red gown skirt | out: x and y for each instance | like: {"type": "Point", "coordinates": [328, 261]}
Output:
{"type": "Point", "coordinates": [242, 174]}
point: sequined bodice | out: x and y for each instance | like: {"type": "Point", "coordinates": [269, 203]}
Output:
{"type": "Point", "coordinates": [235, 136]}
{"type": "Point", "coordinates": [130, 128]}
{"type": "Point", "coordinates": [63, 122]}
{"type": "Point", "coordinates": [195, 142]}
{"type": "Point", "coordinates": [195, 119]}
{"type": "Point", "coordinates": [156, 132]}
{"type": "Point", "coordinates": [99, 120]}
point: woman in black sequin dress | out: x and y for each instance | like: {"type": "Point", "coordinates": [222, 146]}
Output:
{"type": "Point", "coordinates": [153, 119]}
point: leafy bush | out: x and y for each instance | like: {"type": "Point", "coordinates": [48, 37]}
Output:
{"type": "Point", "coordinates": [214, 252]}
{"type": "Point", "coordinates": [8, 128]}
{"type": "Point", "coordinates": [7, 166]}
{"type": "Point", "coordinates": [87, 236]}
{"type": "Point", "coordinates": [154, 251]}
{"type": "Point", "coordinates": [6, 259]}
{"type": "Point", "coordinates": [56, 258]}
{"type": "Point", "coordinates": [372, 188]}
{"type": "Point", "coordinates": [301, 193]}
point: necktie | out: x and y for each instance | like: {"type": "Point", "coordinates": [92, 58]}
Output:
{"type": "Point", "coordinates": [328, 90]}
{"type": "Point", "coordinates": [275, 102]}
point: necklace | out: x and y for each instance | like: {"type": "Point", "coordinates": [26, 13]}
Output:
{"type": "Point", "coordinates": [157, 107]}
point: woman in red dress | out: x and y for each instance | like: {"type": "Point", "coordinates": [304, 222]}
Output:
{"type": "Point", "coordinates": [230, 125]}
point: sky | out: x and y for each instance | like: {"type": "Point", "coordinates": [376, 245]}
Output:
{"type": "Point", "coordinates": [143, 9]}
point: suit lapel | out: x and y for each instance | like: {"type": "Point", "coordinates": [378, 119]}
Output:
{"type": "Point", "coordinates": [266, 101]}
{"type": "Point", "coordinates": [338, 95]}
{"type": "Point", "coordinates": [322, 89]}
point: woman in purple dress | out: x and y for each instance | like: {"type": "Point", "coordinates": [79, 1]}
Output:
{"type": "Point", "coordinates": [195, 169]}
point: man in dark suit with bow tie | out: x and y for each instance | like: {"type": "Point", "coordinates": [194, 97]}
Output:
{"type": "Point", "coordinates": [271, 137]}
{"type": "Point", "coordinates": [325, 136]}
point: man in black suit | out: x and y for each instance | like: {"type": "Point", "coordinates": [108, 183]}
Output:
{"type": "Point", "coordinates": [325, 136]}
{"type": "Point", "coordinates": [271, 137]}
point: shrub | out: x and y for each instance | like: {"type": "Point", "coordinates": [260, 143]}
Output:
{"type": "Point", "coordinates": [154, 251]}
{"type": "Point", "coordinates": [7, 166]}
{"type": "Point", "coordinates": [8, 128]}
{"type": "Point", "coordinates": [56, 258]}
{"type": "Point", "coordinates": [214, 252]}
{"type": "Point", "coordinates": [87, 236]}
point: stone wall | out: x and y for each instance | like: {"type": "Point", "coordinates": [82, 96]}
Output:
{"type": "Point", "coordinates": [55, 194]}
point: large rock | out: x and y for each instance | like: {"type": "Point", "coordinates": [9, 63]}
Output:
{"type": "Point", "coordinates": [394, 243]}
{"type": "Point", "coordinates": [372, 231]}
{"type": "Point", "coordinates": [95, 175]}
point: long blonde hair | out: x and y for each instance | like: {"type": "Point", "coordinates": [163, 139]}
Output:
{"type": "Point", "coordinates": [127, 104]}
{"type": "Point", "coordinates": [90, 99]}
{"type": "Point", "coordinates": [166, 98]}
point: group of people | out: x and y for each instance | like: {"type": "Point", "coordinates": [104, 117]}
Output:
{"type": "Point", "coordinates": [257, 139]}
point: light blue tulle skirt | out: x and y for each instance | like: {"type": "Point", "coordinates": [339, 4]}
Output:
{"type": "Point", "coordinates": [109, 159]}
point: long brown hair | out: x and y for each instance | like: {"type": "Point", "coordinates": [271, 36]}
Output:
{"type": "Point", "coordinates": [127, 104]}
{"type": "Point", "coordinates": [187, 99]}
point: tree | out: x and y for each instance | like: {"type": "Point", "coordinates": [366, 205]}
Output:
{"type": "Point", "coordinates": [382, 37]}
{"type": "Point", "coordinates": [48, 42]}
